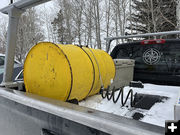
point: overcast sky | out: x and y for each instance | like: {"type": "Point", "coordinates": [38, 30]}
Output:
{"type": "Point", "coordinates": [48, 6]}
{"type": "Point", "coordinates": [4, 3]}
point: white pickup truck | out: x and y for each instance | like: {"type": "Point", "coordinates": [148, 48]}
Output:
{"type": "Point", "coordinates": [23, 113]}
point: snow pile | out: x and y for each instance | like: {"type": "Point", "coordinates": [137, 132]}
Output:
{"type": "Point", "coordinates": [157, 114]}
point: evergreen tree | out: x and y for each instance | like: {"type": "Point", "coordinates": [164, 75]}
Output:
{"type": "Point", "coordinates": [63, 26]}
{"type": "Point", "coordinates": [58, 27]}
{"type": "Point", "coordinates": [153, 16]}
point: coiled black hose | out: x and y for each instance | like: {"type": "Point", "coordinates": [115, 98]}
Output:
{"type": "Point", "coordinates": [110, 94]}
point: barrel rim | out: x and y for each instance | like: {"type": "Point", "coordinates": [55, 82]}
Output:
{"type": "Point", "coordinates": [67, 97]}
{"type": "Point", "coordinates": [70, 70]}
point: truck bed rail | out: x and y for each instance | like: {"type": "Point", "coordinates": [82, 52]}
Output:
{"type": "Point", "coordinates": [24, 113]}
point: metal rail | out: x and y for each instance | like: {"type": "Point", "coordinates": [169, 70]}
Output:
{"type": "Point", "coordinates": [110, 39]}
{"type": "Point", "coordinates": [14, 12]}
{"type": "Point", "coordinates": [22, 5]}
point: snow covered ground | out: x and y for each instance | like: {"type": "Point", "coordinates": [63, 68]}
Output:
{"type": "Point", "coordinates": [157, 114]}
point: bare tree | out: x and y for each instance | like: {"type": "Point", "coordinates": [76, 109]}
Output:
{"type": "Point", "coordinates": [88, 23]}
{"type": "Point", "coordinates": [78, 7]}
{"type": "Point", "coordinates": [29, 33]}
{"type": "Point", "coordinates": [154, 16]}
{"type": "Point", "coordinates": [108, 17]}
{"type": "Point", "coordinates": [96, 11]}
{"type": "Point", "coordinates": [121, 9]}
{"type": "Point", "coordinates": [47, 18]}
{"type": "Point", "coordinates": [66, 8]}
{"type": "Point", "coordinates": [3, 35]}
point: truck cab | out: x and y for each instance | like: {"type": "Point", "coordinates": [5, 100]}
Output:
{"type": "Point", "coordinates": [156, 61]}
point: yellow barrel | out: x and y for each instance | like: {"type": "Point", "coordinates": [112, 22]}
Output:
{"type": "Point", "coordinates": [66, 72]}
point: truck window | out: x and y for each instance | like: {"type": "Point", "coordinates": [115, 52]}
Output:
{"type": "Point", "coordinates": [152, 58]}
{"type": "Point", "coordinates": [1, 60]}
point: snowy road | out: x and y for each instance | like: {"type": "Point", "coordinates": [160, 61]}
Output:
{"type": "Point", "coordinates": [157, 114]}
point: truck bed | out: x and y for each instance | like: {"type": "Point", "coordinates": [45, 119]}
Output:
{"type": "Point", "coordinates": [27, 114]}
{"type": "Point", "coordinates": [154, 115]}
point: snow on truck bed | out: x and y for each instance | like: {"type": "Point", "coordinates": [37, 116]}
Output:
{"type": "Point", "coordinates": [156, 115]}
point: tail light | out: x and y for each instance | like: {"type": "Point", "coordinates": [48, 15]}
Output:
{"type": "Point", "coordinates": [150, 42]}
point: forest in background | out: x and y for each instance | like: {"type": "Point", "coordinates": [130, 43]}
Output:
{"type": "Point", "coordinates": [85, 22]}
